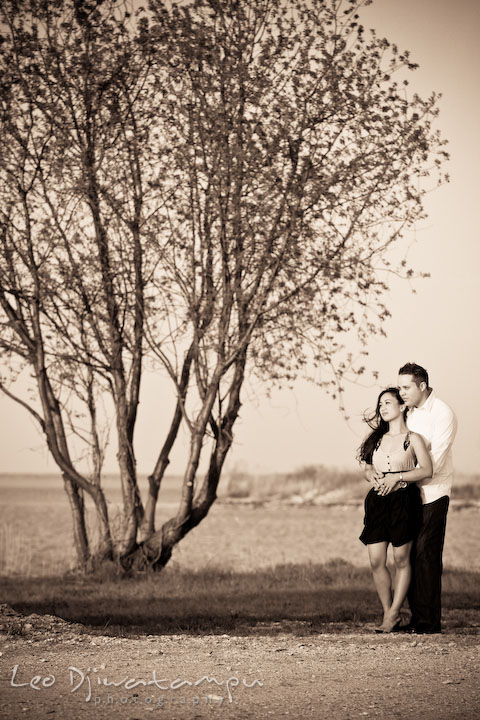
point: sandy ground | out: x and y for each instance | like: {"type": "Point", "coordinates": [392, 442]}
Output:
{"type": "Point", "coordinates": [58, 670]}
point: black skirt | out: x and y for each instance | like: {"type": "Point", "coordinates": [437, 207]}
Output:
{"type": "Point", "coordinates": [393, 518]}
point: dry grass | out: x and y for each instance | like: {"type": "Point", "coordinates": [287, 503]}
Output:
{"type": "Point", "coordinates": [314, 482]}
{"type": "Point", "coordinates": [36, 534]}
{"type": "Point", "coordinates": [308, 480]}
{"type": "Point", "coordinates": [228, 601]}
{"type": "Point", "coordinates": [246, 566]}
{"type": "Point", "coordinates": [15, 551]}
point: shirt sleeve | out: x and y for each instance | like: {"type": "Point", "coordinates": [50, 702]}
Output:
{"type": "Point", "coordinates": [443, 436]}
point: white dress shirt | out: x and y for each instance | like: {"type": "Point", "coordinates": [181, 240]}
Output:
{"type": "Point", "coordinates": [437, 424]}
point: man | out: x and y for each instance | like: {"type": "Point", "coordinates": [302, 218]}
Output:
{"type": "Point", "coordinates": [435, 421]}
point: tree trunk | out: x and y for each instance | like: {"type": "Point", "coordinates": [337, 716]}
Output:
{"type": "Point", "coordinates": [77, 506]}
{"type": "Point", "coordinates": [104, 549]}
{"type": "Point", "coordinates": [156, 551]}
{"type": "Point", "coordinates": [132, 503]}
{"type": "Point", "coordinates": [148, 524]}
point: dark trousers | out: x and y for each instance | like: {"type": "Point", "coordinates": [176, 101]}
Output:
{"type": "Point", "coordinates": [424, 594]}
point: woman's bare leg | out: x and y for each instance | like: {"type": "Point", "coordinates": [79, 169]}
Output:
{"type": "Point", "coordinates": [377, 553]}
{"type": "Point", "coordinates": [401, 556]}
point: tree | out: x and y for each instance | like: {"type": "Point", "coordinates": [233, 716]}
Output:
{"type": "Point", "coordinates": [229, 178]}
{"type": "Point", "coordinates": [73, 259]}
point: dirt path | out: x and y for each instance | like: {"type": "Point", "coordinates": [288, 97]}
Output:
{"type": "Point", "coordinates": [288, 674]}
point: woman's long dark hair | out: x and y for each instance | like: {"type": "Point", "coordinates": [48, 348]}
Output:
{"type": "Point", "coordinates": [379, 427]}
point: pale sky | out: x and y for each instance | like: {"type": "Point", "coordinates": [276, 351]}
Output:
{"type": "Point", "coordinates": [437, 327]}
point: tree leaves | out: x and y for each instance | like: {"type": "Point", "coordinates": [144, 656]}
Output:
{"type": "Point", "coordinates": [217, 181]}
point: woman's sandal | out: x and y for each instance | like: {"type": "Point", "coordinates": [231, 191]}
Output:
{"type": "Point", "coordinates": [395, 628]}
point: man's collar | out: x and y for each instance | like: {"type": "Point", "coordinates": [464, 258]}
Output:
{"type": "Point", "coordinates": [427, 405]}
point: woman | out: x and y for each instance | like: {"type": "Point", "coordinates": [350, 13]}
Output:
{"type": "Point", "coordinates": [392, 506]}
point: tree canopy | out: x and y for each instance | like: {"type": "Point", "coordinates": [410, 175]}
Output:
{"type": "Point", "coordinates": [212, 184]}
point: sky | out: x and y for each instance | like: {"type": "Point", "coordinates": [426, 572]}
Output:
{"type": "Point", "coordinates": [437, 327]}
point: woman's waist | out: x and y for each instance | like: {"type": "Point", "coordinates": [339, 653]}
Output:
{"type": "Point", "coordinates": [410, 490]}
{"type": "Point", "coordinates": [393, 467]}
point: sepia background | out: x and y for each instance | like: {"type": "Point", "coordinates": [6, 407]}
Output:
{"type": "Point", "coordinates": [280, 590]}
{"type": "Point", "coordinates": [434, 321]}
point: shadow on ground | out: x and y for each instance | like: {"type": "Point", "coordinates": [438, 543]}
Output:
{"type": "Point", "coordinates": [301, 599]}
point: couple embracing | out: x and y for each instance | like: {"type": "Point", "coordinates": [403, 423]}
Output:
{"type": "Point", "coordinates": [408, 461]}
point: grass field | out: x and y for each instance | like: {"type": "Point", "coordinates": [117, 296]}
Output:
{"type": "Point", "coordinates": [246, 567]}
{"type": "Point", "coordinates": [36, 533]}
{"type": "Point", "coordinates": [332, 596]}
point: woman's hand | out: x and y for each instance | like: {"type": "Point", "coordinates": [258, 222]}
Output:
{"type": "Point", "coordinates": [373, 476]}
{"type": "Point", "coordinates": [387, 485]}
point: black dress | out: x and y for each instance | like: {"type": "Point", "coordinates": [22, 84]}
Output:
{"type": "Point", "coordinates": [394, 517]}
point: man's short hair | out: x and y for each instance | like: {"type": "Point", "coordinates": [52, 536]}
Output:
{"type": "Point", "coordinates": [418, 373]}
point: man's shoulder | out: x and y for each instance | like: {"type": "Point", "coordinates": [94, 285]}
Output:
{"type": "Point", "coordinates": [442, 412]}
{"type": "Point", "coordinates": [439, 406]}
{"type": "Point", "coordinates": [434, 410]}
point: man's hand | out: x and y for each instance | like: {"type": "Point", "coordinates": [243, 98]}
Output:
{"type": "Point", "coordinates": [373, 476]}
{"type": "Point", "coordinates": [387, 485]}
